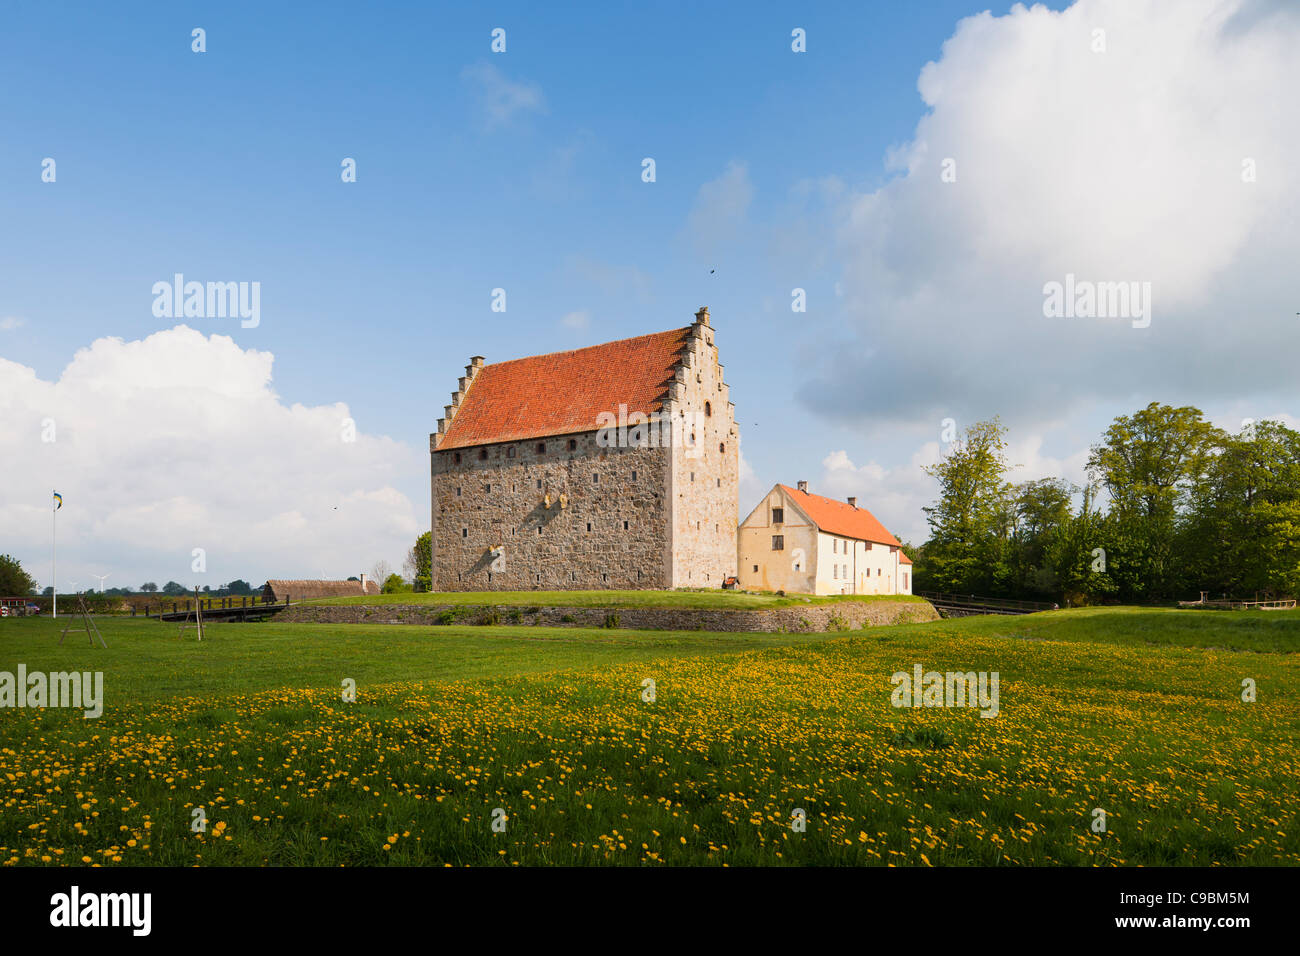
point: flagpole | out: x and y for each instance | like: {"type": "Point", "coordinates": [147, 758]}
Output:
{"type": "Point", "coordinates": [54, 528]}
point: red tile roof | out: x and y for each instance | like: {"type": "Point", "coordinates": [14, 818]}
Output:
{"type": "Point", "coordinates": [903, 558]}
{"type": "Point", "coordinates": [839, 517]}
{"type": "Point", "coordinates": [563, 393]}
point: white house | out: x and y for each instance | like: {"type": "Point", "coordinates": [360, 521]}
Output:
{"type": "Point", "coordinates": [799, 542]}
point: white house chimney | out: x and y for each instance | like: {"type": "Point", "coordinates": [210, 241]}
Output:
{"type": "Point", "coordinates": [803, 486]}
{"type": "Point", "coordinates": [853, 502]}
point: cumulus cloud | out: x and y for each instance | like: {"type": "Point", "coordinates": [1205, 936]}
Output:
{"type": "Point", "coordinates": [1167, 158]}
{"type": "Point", "coordinates": [178, 441]}
{"type": "Point", "coordinates": [501, 98]}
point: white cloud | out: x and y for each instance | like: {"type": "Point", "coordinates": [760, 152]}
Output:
{"type": "Point", "coordinates": [894, 495]}
{"type": "Point", "coordinates": [501, 98]}
{"type": "Point", "coordinates": [1117, 166]}
{"type": "Point", "coordinates": [178, 442]}
{"type": "Point", "coordinates": [10, 322]}
{"type": "Point", "coordinates": [720, 208]}
{"type": "Point", "coordinates": [577, 321]}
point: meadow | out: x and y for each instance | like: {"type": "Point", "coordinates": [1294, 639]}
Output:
{"type": "Point", "coordinates": [1137, 712]}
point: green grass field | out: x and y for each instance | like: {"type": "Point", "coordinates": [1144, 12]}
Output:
{"type": "Point", "coordinates": [1137, 712]}
{"type": "Point", "coordinates": [696, 600]}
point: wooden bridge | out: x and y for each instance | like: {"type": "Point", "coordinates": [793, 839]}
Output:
{"type": "Point", "coordinates": [217, 609]}
{"type": "Point", "coordinates": [968, 605]}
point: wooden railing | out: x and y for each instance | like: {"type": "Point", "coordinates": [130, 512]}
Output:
{"type": "Point", "coordinates": [974, 602]}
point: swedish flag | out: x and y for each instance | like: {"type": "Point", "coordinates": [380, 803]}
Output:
{"type": "Point", "coordinates": [58, 501]}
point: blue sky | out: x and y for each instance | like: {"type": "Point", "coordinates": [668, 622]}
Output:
{"type": "Point", "coordinates": [522, 170]}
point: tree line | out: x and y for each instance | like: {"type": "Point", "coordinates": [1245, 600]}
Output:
{"type": "Point", "coordinates": [1172, 506]}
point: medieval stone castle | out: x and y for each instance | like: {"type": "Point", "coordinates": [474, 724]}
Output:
{"type": "Point", "coordinates": [613, 466]}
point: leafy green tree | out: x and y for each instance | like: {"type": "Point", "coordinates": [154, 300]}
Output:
{"type": "Point", "coordinates": [419, 562]}
{"type": "Point", "coordinates": [1080, 554]}
{"type": "Point", "coordinates": [14, 581]}
{"type": "Point", "coordinates": [149, 587]}
{"type": "Point", "coordinates": [971, 523]}
{"type": "Point", "coordinates": [1149, 463]}
{"type": "Point", "coordinates": [173, 587]}
{"type": "Point", "coordinates": [239, 587]}
{"type": "Point", "coordinates": [395, 584]}
{"type": "Point", "coordinates": [1041, 513]}
{"type": "Point", "coordinates": [1242, 535]}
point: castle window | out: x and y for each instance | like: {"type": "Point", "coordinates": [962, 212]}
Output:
{"type": "Point", "coordinates": [692, 476]}
{"type": "Point", "coordinates": [778, 515]}
{"type": "Point", "coordinates": [722, 447]}
{"type": "Point", "coordinates": [510, 452]}
{"type": "Point", "coordinates": [588, 525]}
{"type": "Point", "coordinates": [487, 488]}
{"type": "Point", "coordinates": [573, 444]}
{"type": "Point", "coordinates": [778, 542]}
{"type": "Point", "coordinates": [482, 454]}
{"type": "Point", "coordinates": [624, 525]}
{"type": "Point", "coordinates": [464, 532]}
{"type": "Point", "coordinates": [539, 484]}
{"type": "Point", "coordinates": [595, 477]}
{"type": "Point", "coordinates": [539, 529]}
{"type": "Point", "coordinates": [458, 491]}
{"type": "Point", "coordinates": [708, 410]}
{"type": "Point", "coordinates": [541, 448]}
{"type": "Point", "coordinates": [456, 457]}
{"type": "Point", "coordinates": [719, 481]}
{"type": "Point", "coordinates": [634, 476]}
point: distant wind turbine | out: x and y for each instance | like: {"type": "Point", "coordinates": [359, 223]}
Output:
{"type": "Point", "coordinates": [102, 579]}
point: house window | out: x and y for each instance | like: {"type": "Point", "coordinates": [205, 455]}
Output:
{"type": "Point", "coordinates": [778, 515]}
{"type": "Point", "coordinates": [756, 569]}
{"type": "Point", "coordinates": [778, 542]}
{"type": "Point", "coordinates": [835, 571]}
{"type": "Point", "coordinates": [904, 579]}
{"type": "Point", "coordinates": [573, 444]}
{"type": "Point", "coordinates": [835, 546]}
